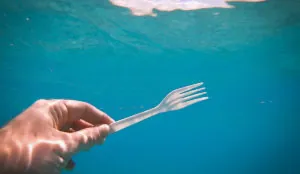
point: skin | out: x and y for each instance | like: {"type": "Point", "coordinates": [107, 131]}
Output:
{"type": "Point", "coordinates": [43, 138]}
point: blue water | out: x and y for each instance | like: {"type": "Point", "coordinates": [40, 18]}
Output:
{"type": "Point", "coordinates": [248, 59]}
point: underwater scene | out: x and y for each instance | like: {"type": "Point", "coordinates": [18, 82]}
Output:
{"type": "Point", "coordinates": [125, 56]}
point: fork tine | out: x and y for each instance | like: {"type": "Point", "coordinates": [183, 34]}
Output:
{"type": "Point", "coordinates": [192, 92]}
{"type": "Point", "coordinates": [187, 88]}
{"type": "Point", "coordinates": [190, 102]}
{"type": "Point", "coordinates": [193, 96]}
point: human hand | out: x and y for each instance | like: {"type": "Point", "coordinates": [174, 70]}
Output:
{"type": "Point", "coordinates": [43, 138]}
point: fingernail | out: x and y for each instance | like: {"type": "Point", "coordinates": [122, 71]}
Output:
{"type": "Point", "coordinates": [70, 165]}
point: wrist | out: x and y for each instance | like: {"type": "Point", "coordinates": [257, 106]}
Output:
{"type": "Point", "coordinates": [5, 152]}
{"type": "Point", "coordinates": [9, 157]}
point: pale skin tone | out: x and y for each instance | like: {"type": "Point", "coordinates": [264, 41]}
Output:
{"type": "Point", "coordinates": [43, 138]}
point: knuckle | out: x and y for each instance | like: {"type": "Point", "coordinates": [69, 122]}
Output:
{"type": "Point", "coordinates": [41, 102]}
{"type": "Point", "coordinates": [58, 108]}
{"type": "Point", "coordinates": [62, 106]}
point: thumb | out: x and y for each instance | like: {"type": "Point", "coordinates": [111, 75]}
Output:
{"type": "Point", "coordinates": [86, 138]}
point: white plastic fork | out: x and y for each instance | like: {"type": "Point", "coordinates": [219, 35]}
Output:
{"type": "Point", "coordinates": [175, 100]}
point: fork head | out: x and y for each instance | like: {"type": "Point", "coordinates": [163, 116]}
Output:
{"type": "Point", "coordinates": [183, 97]}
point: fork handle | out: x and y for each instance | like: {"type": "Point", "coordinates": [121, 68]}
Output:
{"type": "Point", "coordinates": [128, 121]}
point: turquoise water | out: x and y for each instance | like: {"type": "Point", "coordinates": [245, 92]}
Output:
{"type": "Point", "coordinates": [247, 57]}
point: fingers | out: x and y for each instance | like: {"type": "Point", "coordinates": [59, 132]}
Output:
{"type": "Point", "coordinates": [76, 126]}
{"type": "Point", "coordinates": [81, 110]}
{"type": "Point", "coordinates": [65, 112]}
{"type": "Point", "coordinates": [80, 124]}
{"type": "Point", "coordinates": [86, 138]}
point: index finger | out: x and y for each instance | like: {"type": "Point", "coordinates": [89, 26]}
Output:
{"type": "Point", "coordinates": [82, 110]}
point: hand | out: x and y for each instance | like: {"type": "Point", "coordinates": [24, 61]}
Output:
{"type": "Point", "coordinates": [43, 138]}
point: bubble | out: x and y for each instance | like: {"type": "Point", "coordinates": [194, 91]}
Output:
{"type": "Point", "coordinates": [146, 7]}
